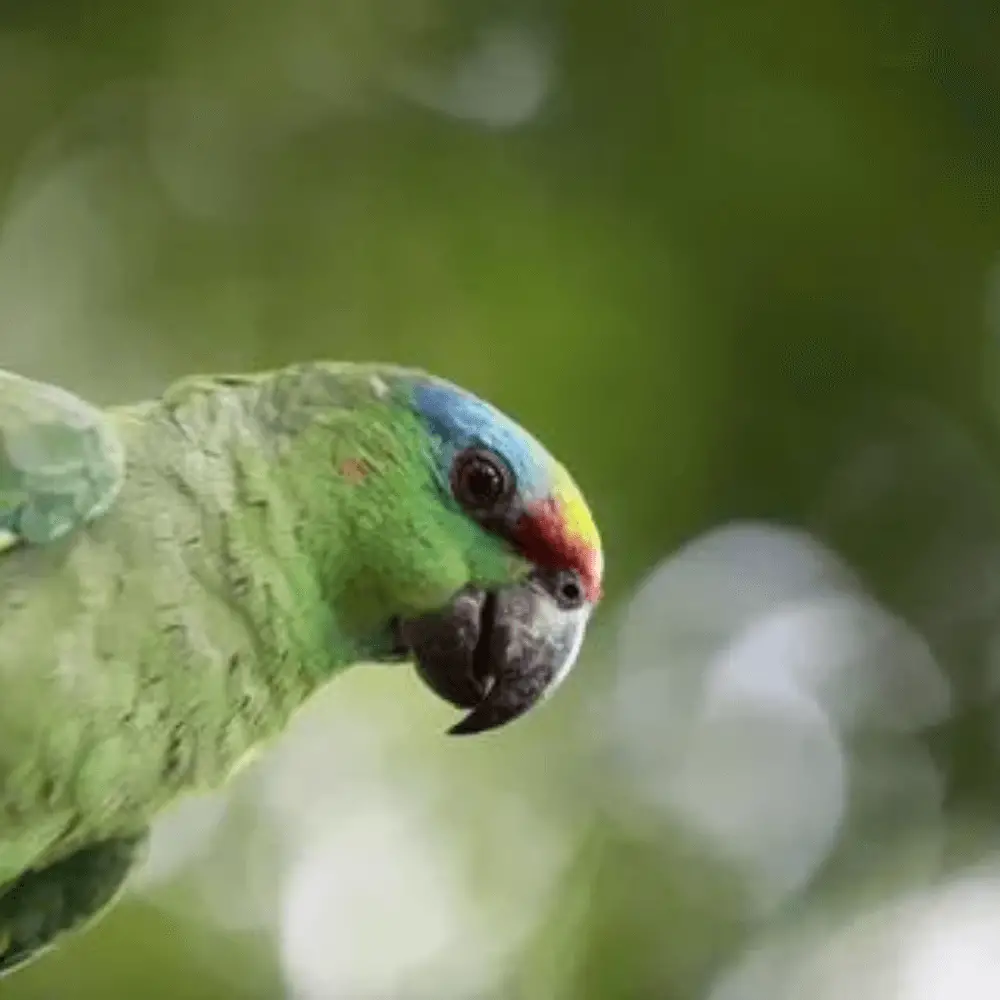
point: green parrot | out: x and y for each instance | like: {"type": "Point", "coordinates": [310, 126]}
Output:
{"type": "Point", "coordinates": [178, 576]}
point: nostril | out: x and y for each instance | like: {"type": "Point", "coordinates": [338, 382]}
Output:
{"type": "Point", "coordinates": [564, 586]}
{"type": "Point", "coordinates": [568, 590]}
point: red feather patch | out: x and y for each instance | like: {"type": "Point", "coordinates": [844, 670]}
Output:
{"type": "Point", "coordinates": [543, 539]}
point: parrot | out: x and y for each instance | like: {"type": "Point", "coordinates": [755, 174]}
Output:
{"type": "Point", "coordinates": [178, 576]}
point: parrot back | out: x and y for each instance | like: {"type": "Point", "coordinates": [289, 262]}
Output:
{"type": "Point", "coordinates": [149, 651]}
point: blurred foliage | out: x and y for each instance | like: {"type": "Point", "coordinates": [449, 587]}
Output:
{"type": "Point", "coordinates": [709, 252]}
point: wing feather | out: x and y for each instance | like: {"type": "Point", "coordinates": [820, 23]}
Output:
{"type": "Point", "coordinates": [62, 462]}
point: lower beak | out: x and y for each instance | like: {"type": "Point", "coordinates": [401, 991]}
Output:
{"type": "Point", "coordinates": [498, 652]}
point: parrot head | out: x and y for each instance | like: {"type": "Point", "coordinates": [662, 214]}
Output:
{"type": "Point", "coordinates": [503, 641]}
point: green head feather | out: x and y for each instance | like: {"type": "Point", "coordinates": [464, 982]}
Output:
{"type": "Point", "coordinates": [369, 452]}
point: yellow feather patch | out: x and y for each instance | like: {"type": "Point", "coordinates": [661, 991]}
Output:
{"type": "Point", "coordinates": [579, 521]}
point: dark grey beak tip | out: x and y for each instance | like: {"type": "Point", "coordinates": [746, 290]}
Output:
{"type": "Point", "coordinates": [485, 717]}
{"type": "Point", "coordinates": [466, 727]}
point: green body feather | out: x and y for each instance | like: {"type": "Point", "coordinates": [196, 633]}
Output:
{"type": "Point", "coordinates": [267, 530]}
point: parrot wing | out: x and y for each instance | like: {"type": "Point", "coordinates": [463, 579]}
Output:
{"type": "Point", "coordinates": [62, 462]}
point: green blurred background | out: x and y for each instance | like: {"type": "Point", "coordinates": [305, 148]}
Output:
{"type": "Point", "coordinates": [739, 267]}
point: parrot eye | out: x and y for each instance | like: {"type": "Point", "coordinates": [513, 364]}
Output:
{"type": "Point", "coordinates": [481, 481]}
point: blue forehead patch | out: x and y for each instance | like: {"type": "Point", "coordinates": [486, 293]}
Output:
{"type": "Point", "coordinates": [461, 420]}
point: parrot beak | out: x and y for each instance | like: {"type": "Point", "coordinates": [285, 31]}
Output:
{"type": "Point", "coordinates": [498, 653]}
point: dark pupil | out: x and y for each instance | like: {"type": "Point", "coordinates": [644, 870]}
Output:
{"type": "Point", "coordinates": [482, 481]}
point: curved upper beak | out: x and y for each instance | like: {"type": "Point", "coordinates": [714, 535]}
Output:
{"type": "Point", "coordinates": [498, 653]}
